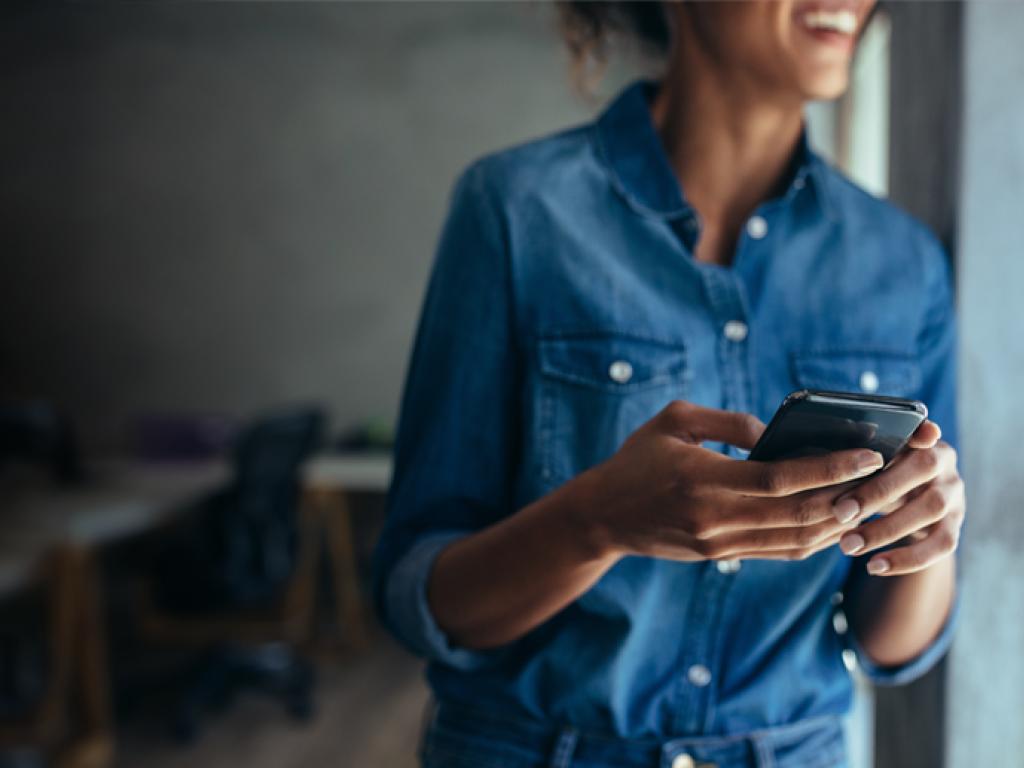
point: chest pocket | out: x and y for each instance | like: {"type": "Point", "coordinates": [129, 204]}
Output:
{"type": "Point", "coordinates": [881, 373]}
{"type": "Point", "coordinates": [594, 391]}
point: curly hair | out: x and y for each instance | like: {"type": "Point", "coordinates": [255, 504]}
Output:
{"type": "Point", "coordinates": [590, 28]}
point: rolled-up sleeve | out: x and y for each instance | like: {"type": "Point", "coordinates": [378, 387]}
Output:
{"type": "Point", "coordinates": [937, 356]}
{"type": "Point", "coordinates": [454, 449]}
{"type": "Point", "coordinates": [916, 667]}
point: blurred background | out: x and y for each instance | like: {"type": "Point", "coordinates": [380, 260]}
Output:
{"type": "Point", "coordinates": [216, 224]}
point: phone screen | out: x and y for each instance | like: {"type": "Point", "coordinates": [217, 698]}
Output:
{"type": "Point", "coordinates": [810, 424]}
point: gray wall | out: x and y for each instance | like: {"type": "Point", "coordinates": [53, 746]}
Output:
{"type": "Point", "coordinates": [221, 206]}
{"type": "Point", "coordinates": [986, 702]}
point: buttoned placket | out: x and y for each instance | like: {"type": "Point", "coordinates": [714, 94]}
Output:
{"type": "Point", "coordinates": [728, 307]}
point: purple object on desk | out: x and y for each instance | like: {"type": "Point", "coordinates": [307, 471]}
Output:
{"type": "Point", "coordinates": [183, 436]}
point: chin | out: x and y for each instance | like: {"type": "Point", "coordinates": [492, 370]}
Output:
{"type": "Point", "coordinates": [824, 87]}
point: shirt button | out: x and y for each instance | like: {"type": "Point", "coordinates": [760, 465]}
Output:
{"type": "Point", "coordinates": [699, 675]}
{"type": "Point", "coordinates": [735, 330]}
{"type": "Point", "coordinates": [683, 761]}
{"type": "Point", "coordinates": [620, 371]}
{"type": "Point", "coordinates": [798, 182]}
{"type": "Point", "coordinates": [869, 382]}
{"type": "Point", "coordinates": [728, 566]}
{"type": "Point", "coordinates": [839, 623]}
{"type": "Point", "coordinates": [757, 227]}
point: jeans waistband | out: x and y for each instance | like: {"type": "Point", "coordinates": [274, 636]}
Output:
{"type": "Point", "coordinates": [484, 738]}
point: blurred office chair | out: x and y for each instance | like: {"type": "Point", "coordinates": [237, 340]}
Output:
{"type": "Point", "coordinates": [240, 585]}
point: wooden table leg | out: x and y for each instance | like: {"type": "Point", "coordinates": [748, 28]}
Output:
{"type": "Point", "coordinates": [94, 671]}
{"type": "Point", "coordinates": [337, 520]}
{"type": "Point", "coordinates": [45, 728]}
{"type": "Point", "coordinates": [94, 747]}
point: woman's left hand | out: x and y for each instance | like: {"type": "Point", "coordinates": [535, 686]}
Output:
{"type": "Point", "coordinates": [921, 498]}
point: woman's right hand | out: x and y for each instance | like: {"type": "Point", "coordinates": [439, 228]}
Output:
{"type": "Point", "coordinates": [663, 495]}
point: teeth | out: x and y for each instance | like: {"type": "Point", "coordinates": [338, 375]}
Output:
{"type": "Point", "coordinates": [843, 21]}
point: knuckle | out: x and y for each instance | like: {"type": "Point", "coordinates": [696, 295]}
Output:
{"type": "Point", "coordinates": [712, 550]}
{"type": "Point", "coordinates": [677, 410]}
{"type": "Point", "coordinates": [772, 480]}
{"type": "Point", "coordinates": [883, 489]}
{"type": "Point", "coordinates": [806, 510]}
{"type": "Point", "coordinates": [682, 461]}
{"type": "Point", "coordinates": [668, 417]}
{"type": "Point", "coordinates": [750, 424]}
{"type": "Point", "coordinates": [798, 553]}
{"type": "Point", "coordinates": [928, 461]}
{"type": "Point", "coordinates": [702, 548]}
{"type": "Point", "coordinates": [836, 467]}
{"type": "Point", "coordinates": [701, 527]}
{"type": "Point", "coordinates": [914, 561]}
{"type": "Point", "coordinates": [754, 540]}
{"type": "Point", "coordinates": [806, 537]}
{"type": "Point", "coordinates": [934, 500]}
{"type": "Point", "coordinates": [946, 540]}
{"type": "Point", "coordinates": [948, 451]}
{"type": "Point", "coordinates": [874, 532]}
{"type": "Point", "coordinates": [805, 552]}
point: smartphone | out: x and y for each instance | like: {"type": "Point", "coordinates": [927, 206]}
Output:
{"type": "Point", "coordinates": [814, 422]}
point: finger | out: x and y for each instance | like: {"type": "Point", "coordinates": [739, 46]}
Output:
{"type": "Point", "coordinates": [895, 504]}
{"type": "Point", "coordinates": [927, 508]}
{"type": "Point", "coordinates": [805, 538]}
{"type": "Point", "coordinates": [940, 542]}
{"type": "Point", "coordinates": [914, 469]}
{"type": "Point", "coordinates": [752, 512]}
{"type": "Point", "coordinates": [697, 424]}
{"type": "Point", "coordinates": [925, 436]}
{"type": "Point", "coordinates": [794, 553]}
{"type": "Point", "coordinates": [784, 478]}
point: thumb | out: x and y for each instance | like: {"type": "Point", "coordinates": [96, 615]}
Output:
{"type": "Point", "coordinates": [925, 436]}
{"type": "Point", "coordinates": [697, 424]}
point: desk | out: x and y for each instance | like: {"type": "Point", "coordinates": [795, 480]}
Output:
{"type": "Point", "coordinates": [327, 481]}
{"type": "Point", "coordinates": [125, 498]}
{"type": "Point", "coordinates": [41, 524]}
{"type": "Point", "coordinates": [120, 499]}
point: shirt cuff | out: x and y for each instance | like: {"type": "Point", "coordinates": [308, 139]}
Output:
{"type": "Point", "coordinates": [909, 671]}
{"type": "Point", "coordinates": [409, 612]}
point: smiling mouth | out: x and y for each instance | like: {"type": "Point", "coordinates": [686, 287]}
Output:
{"type": "Point", "coordinates": [841, 21]}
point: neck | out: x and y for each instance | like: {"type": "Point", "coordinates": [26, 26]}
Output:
{"type": "Point", "coordinates": [729, 140]}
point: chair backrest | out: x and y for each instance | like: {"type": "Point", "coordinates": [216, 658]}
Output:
{"type": "Point", "coordinates": [259, 522]}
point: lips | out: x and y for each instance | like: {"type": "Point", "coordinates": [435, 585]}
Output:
{"type": "Point", "coordinates": [834, 23]}
{"type": "Point", "coordinates": [842, 21]}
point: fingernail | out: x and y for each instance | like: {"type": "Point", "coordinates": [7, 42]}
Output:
{"type": "Point", "coordinates": [851, 544]}
{"type": "Point", "coordinates": [868, 462]}
{"type": "Point", "coordinates": [877, 567]}
{"type": "Point", "coordinates": [846, 509]}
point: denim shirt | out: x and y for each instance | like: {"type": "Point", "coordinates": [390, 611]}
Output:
{"type": "Point", "coordinates": [565, 309]}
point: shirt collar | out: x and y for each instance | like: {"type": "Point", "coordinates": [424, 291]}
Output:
{"type": "Point", "coordinates": [640, 170]}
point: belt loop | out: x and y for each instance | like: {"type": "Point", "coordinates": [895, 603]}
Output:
{"type": "Point", "coordinates": [764, 751]}
{"type": "Point", "coordinates": [565, 745]}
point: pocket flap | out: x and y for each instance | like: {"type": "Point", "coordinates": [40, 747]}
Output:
{"type": "Point", "coordinates": [882, 373]}
{"type": "Point", "coordinates": [611, 362]}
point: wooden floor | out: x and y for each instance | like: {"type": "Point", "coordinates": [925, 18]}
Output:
{"type": "Point", "coordinates": [368, 716]}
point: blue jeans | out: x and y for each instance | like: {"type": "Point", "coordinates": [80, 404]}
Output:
{"type": "Point", "coordinates": [460, 737]}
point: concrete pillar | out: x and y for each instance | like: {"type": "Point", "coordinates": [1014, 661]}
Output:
{"type": "Point", "coordinates": [985, 724]}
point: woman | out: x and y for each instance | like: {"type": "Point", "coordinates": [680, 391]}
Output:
{"type": "Point", "coordinates": [572, 542]}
